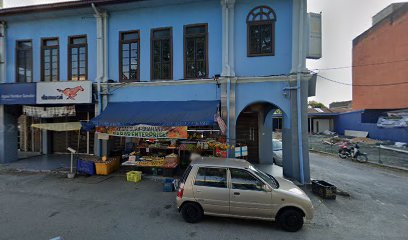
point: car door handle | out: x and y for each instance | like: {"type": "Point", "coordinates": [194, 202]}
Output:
{"type": "Point", "coordinates": [237, 193]}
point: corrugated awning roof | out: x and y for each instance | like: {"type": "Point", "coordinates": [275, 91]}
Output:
{"type": "Point", "coordinates": [59, 127]}
{"type": "Point", "coordinates": [60, 6]}
{"type": "Point", "coordinates": [160, 113]}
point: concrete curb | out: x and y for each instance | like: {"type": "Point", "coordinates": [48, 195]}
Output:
{"type": "Point", "coordinates": [23, 170]}
{"type": "Point", "coordinates": [371, 163]}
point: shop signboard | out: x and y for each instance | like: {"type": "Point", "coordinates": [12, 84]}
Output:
{"type": "Point", "coordinates": [144, 131]}
{"type": "Point", "coordinates": [241, 151]}
{"type": "Point", "coordinates": [72, 92]}
{"type": "Point", "coordinates": [17, 93]}
{"type": "Point", "coordinates": [103, 136]}
{"type": "Point", "coordinates": [238, 151]}
{"type": "Point", "coordinates": [244, 151]}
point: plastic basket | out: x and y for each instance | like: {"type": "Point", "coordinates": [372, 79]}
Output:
{"type": "Point", "coordinates": [168, 187]}
{"type": "Point", "coordinates": [134, 176]}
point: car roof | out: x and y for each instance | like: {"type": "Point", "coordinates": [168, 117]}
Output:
{"type": "Point", "coordinates": [221, 162]}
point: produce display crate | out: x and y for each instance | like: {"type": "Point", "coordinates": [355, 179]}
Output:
{"type": "Point", "coordinates": [107, 167]}
{"type": "Point", "coordinates": [172, 158]}
{"type": "Point", "coordinates": [324, 189]}
{"type": "Point", "coordinates": [85, 167]}
{"type": "Point", "coordinates": [134, 176]}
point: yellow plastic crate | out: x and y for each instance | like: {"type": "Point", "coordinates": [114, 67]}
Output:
{"type": "Point", "coordinates": [134, 176]}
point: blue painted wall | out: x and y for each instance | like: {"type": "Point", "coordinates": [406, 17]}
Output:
{"type": "Point", "coordinates": [268, 65]}
{"type": "Point", "coordinates": [146, 18]}
{"type": "Point", "coordinates": [198, 92]}
{"type": "Point", "coordinates": [175, 16]}
{"type": "Point", "coordinates": [269, 92]}
{"type": "Point", "coordinates": [352, 121]}
{"type": "Point", "coordinates": [51, 27]}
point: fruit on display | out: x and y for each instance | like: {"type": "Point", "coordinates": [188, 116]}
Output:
{"type": "Point", "coordinates": [151, 158]}
{"type": "Point", "coordinates": [218, 145]}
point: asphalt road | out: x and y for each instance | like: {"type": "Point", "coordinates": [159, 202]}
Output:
{"type": "Point", "coordinates": [43, 206]}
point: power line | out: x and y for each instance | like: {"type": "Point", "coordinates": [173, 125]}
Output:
{"type": "Point", "coordinates": [362, 65]}
{"type": "Point", "coordinates": [362, 85]}
{"type": "Point", "coordinates": [331, 80]}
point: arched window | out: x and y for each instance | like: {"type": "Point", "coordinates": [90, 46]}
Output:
{"type": "Point", "coordinates": [261, 32]}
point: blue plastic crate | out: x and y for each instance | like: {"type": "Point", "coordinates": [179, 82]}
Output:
{"type": "Point", "coordinates": [168, 187]}
{"type": "Point", "coordinates": [86, 167]}
{"type": "Point", "coordinates": [168, 180]}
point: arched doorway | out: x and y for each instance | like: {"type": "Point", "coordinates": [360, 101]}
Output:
{"type": "Point", "coordinates": [255, 126]}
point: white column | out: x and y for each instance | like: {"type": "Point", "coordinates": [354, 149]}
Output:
{"type": "Point", "coordinates": [299, 36]}
{"type": "Point", "coordinates": [101, 147]}
{"type": "Point", "coordinates": [3, 52]}
{"type": "Point", "coordinates": [298, 165]}
{"type": "Point", "coordinates": [231, 39]}
{"type": "Point", "coordinates": [228, 15]}
{"type": "Point", "coordinates": [105, 47]}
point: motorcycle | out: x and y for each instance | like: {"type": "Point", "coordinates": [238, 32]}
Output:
{"type": "Point", "coordinates": [353, 152]}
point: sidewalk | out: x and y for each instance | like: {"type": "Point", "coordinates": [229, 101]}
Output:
{"type": "Point", "coordinates": [40, 163]}
{"type": "Point", "coordinates": [33, 162]}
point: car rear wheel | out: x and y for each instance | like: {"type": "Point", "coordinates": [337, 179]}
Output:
{"type": "Point", "coordinates": [290, 220]}
{"type": "Point", "coordinates": [192, 212]}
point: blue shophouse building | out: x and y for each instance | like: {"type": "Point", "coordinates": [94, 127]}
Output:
{"type": "Point", "coordinates": [248, 56]}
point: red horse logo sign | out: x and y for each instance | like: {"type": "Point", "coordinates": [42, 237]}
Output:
{"type": "Point", "coordinates": [71, 93]}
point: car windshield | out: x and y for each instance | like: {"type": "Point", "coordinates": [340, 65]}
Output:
{"type": "Point", "coordinates": [266, 177]}
{"type": "Point", "coordinates": [277, 145]}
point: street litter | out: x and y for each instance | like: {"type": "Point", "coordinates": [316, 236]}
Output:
{"type": "Point", "coordinates": [327, 132]}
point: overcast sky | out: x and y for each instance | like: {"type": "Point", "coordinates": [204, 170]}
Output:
{"type": "Point", "coordinates": [343, 20]}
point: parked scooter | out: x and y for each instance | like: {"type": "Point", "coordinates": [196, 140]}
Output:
{"type": "Point", "coordinates": [353, 152]}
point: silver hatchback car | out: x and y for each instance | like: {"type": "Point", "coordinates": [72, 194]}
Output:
{"type": "Point", "coordinates": [235, 188]}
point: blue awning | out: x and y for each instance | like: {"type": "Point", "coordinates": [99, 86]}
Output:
{"type": "Point", "coordinates": [160, 113]}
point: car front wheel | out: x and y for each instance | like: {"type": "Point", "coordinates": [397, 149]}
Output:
{"type": "Point", "coordinates": [192, 212]}
{"type": "Point", "coordinates": [290, 220]}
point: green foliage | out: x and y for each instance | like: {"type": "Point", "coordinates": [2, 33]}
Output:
{"type": "Point", "coordinates": [315, 104]}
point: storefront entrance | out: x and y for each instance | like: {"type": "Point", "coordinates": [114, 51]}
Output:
{"type": "Point", "coordinates": [32, 139]}
{"type": "Point", "coordinates": [255, 129]}
{"type": "Point", "coordinates": [248, 134]}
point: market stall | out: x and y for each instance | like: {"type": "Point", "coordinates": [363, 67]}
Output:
{"type": "Point", "coordinates": [162, 150]}
{"type": "Point", "coordinates": [158, 137]}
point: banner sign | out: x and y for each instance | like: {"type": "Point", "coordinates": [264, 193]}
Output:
{"type": "Point", "coordinates": [143, 131]}
{"type": "Point", "coordinates": [64, 92]}
{"type": "Point", "coordinates": [49, 112]}
{"type": "Point", "coordinates": [17, 93]}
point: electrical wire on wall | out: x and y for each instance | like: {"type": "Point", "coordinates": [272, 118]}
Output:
{"type": "Point", "coordinates": [361, 85]}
